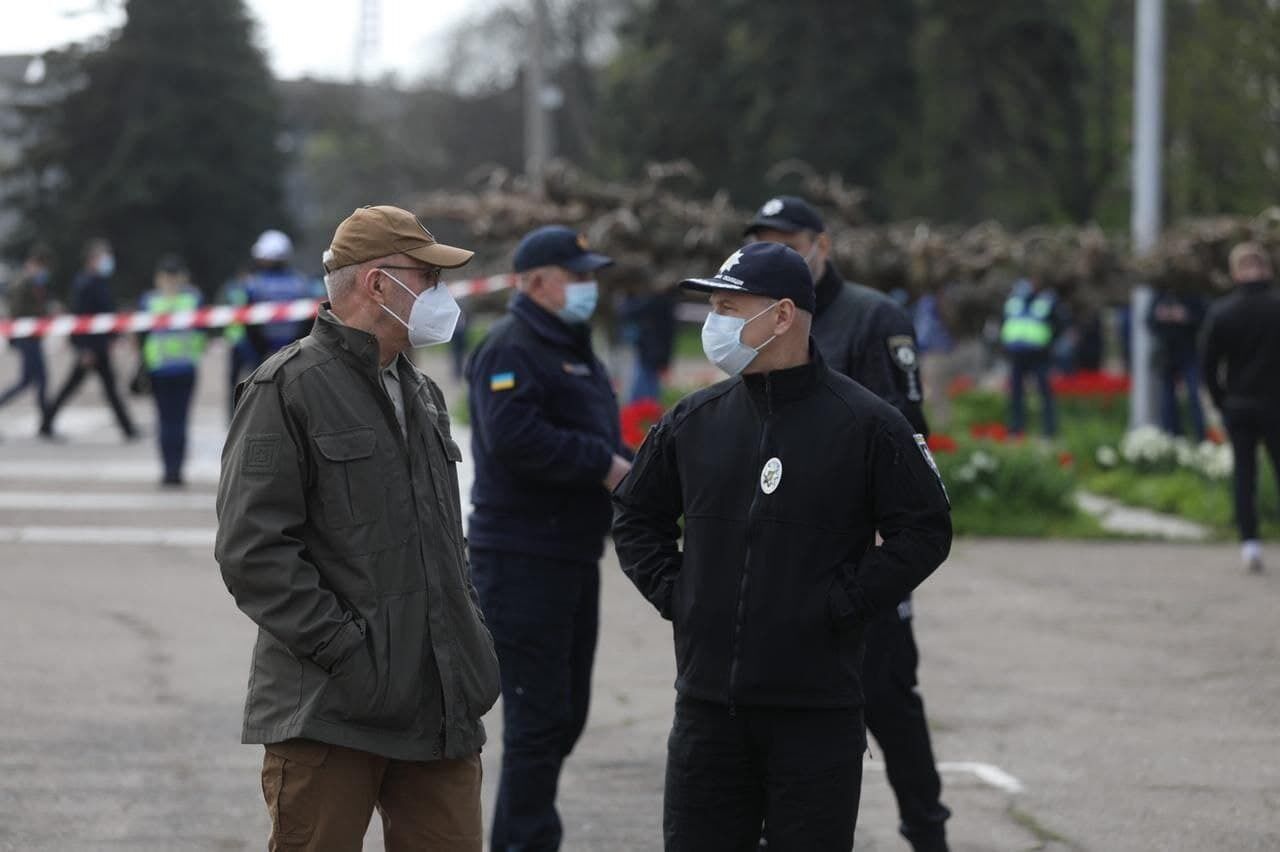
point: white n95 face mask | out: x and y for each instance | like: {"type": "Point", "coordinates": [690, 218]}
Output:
{"type": "Point", "coordinates": [432, 318]}
{"type": "Point", "coordinates": [722, 341]}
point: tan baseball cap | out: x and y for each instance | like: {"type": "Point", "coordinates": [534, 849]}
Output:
{"type": "Point", "coordinates": [372, 232]}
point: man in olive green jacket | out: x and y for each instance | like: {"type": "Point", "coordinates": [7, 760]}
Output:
{"type": "Point", "coordinates": [340, 535]}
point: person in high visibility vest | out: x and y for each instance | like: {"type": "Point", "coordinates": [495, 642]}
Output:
{"type": "Point", "coordinates": [1027, 333]}
{"type": "Point", "coordinates": [171, 358]}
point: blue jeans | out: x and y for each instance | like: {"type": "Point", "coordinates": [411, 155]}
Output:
{"type": "Point", "coordinates": [33, 372]}
{"type": "Point", "coordinates": [647, 383]}
{"type": "Point", "coordinates": [544, 616]}
{"type": "Point", "coordinates": [1035, 364]}
{"type": "Point", "coordinates": [1188, 372]}
{"type": "Point", "coordinates": [173, 392]}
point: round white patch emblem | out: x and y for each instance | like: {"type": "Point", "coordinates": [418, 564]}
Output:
{"type": "Point", "coordinates": [772, 207]}
{"type": "Point", "coordinates": [771, 475]}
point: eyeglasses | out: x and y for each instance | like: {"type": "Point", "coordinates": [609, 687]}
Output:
{"type": "Point", "coordinates": [430, 274]}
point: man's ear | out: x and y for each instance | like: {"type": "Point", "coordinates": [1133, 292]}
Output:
{"type": "Point", "coordinates": [786, 317]}
{"type": "Point", "coordinates": [372, 281]}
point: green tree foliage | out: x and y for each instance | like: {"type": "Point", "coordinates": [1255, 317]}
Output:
{"type": "Point", "coordinates": [736, 86]}
{"type": "Point", "coordinates": [1223, 107]}
{"type": "Point", "coordinates": [1017, 110]}
{"type": "Point", "coordinates": [163, 140]}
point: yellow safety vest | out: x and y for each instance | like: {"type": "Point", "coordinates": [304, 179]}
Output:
{"type": "Point", "coordinates": [172, 348]}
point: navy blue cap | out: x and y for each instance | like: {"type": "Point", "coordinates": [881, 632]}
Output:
{"type": "Point", "coordinates": [786, 213]}
{"type": "Point", "coordinates": [762, 269]}
{"type": "Point", "coordinates": [556, 245]}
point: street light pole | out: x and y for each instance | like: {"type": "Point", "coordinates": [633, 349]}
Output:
{"type": "Point", "coordinates": [537, 125]}
{"type": "Point", "coordinates": [1148, 151]}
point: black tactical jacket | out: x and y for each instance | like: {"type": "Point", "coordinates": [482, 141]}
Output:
{"type": "Point", "coordinates": [783, 480]}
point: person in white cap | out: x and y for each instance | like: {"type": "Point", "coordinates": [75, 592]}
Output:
{"type": "Point", "coordinates": [273, 280]}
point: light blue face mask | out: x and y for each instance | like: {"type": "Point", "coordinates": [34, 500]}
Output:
{"type": "Point", "coordinates": [580, 298]}
{"type": "Point", "coordinates": [722, 341]}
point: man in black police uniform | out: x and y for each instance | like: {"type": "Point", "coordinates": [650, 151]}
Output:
{"type": "Point", "coordinates": [783, 477]}
{"type": "Point", "coordinates": [548, 451]}
{"type": "Point", "coordinates": [868, 337]}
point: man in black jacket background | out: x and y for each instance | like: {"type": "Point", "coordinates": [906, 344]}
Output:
{"type": "Point", "coordinates": [865, 335]}
{"type": "Point", "coordinates": [1241, 363]}
{"type": "Point", "coordinates": [91, 294]}
{"type": "Point", "coordinates": [783, 476]}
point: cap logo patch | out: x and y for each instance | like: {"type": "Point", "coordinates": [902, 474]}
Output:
{"type": "Point", "coordinates": [731, 261]}
{"type": "Point", "coordinates": [772, 207]}
{"type": "Point", "coordinates": [582, 242]}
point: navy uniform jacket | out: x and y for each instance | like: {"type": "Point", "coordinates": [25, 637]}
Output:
{"type": "Point", "coordinates": [868, 337]}
{"type": "Point", "coordinates": [91, 294]}
{"type": "Point", "coordinates": [544, 429]}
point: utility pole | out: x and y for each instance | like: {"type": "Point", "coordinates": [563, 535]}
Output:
{"type": "Point", "coordinates": [368, 40]}
{"type": "Point", "coordinates": [1148, 155]}
{"type": "Point", "coordinates": [537, 124]}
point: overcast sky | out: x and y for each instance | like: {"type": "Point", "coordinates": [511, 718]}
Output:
{"type": "Point", "coordinates": [315, 37]}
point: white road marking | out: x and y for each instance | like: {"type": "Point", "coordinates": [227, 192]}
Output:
{"type": "Point", "coordinates": [204, 472]}
{"type": "Point", "coordinates": [174, 537]}
{"type": "Point", "coordinates": [115, 502]}
{"type": "Point", "coordinates": [988, 774]}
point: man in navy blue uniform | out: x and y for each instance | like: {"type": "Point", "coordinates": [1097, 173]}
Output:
{"type": "Point", "coordinates": [548, 452]}
{"type": "Point", "coordinates": [273, 280]}
{"type": "Point", "coordinates": [865, 335]}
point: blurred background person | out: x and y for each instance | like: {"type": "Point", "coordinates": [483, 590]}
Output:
{"type": "Point", "coordinates": [1241, 365]}
{"type": "Point", "coordinates": [29, 297]}
{"type": "Point", "coordinates": [273, 279]}
{"type": "Point", "coordinates": [936, 345]}
{"type": "Point", "coordinates": [171, 358]}
{"type": "Point", "coordinates": [1175, 318]}
{"type": "Point", "coordinates": [649, 325]}
{"type": "Point", "coordinates": [240, 351]}
{"type": "Point", "coordinates": [91, 294]}
{"type": "Point", "coordinates": [1027, 335]}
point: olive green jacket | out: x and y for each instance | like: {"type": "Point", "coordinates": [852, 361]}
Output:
{"type": "Point", "coordinates": [343, 541]}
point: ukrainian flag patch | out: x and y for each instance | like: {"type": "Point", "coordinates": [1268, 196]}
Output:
{"type": "Point", "coordinates": [502, 381]}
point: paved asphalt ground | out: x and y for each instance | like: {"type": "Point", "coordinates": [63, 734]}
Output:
{"type": "Point", "coordinates": [1083, 696]}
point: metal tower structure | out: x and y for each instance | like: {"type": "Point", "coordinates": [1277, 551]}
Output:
{"type": "Point", "coordinates": [368, 39]}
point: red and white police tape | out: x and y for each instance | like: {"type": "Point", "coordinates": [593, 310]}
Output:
{"type": "Point", "coordinates": [215, 316]}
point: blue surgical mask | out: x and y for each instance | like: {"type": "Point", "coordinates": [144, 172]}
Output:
{"type": "Point", "coordinates": [722, 341]}
{"type": "Point", "coordinates": [580, 299]}
{"type": "Point", "coordinates": [106, 265]}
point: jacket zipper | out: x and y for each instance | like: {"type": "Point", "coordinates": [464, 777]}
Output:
{"type": "Point", "coordinates": [742, 583]}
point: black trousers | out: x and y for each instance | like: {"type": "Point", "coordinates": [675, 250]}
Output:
{"type": "Point", "coordinates": [797, 772]}
{"type": "Point", "coordinates": [544, 616]}
{"type": "Point", "coordinates": [1247, 429]}
{"type": "Point", "coordinates": [895, 717]}
{"type": "Point", "coordinates": [172, 393]}
{"type": "Point", "coordinates": [107, 375]}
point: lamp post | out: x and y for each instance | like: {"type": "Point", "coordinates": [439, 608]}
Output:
{"type": "Point", "coordinates": [1148, 155]}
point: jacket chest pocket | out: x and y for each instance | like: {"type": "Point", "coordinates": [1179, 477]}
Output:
{"type": "Point", "coordinates": [350, 488]}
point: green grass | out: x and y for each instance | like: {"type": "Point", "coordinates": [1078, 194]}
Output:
{"type": "Point", "coordinates": [1188, 495]}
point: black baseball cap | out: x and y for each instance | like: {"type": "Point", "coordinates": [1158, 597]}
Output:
{"type": "Point", "coordinates": [556, 245]}
{"type": "Point", "coordinates": [762, 269]}
{"type": "Point", "coordinates": [786, 213]}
